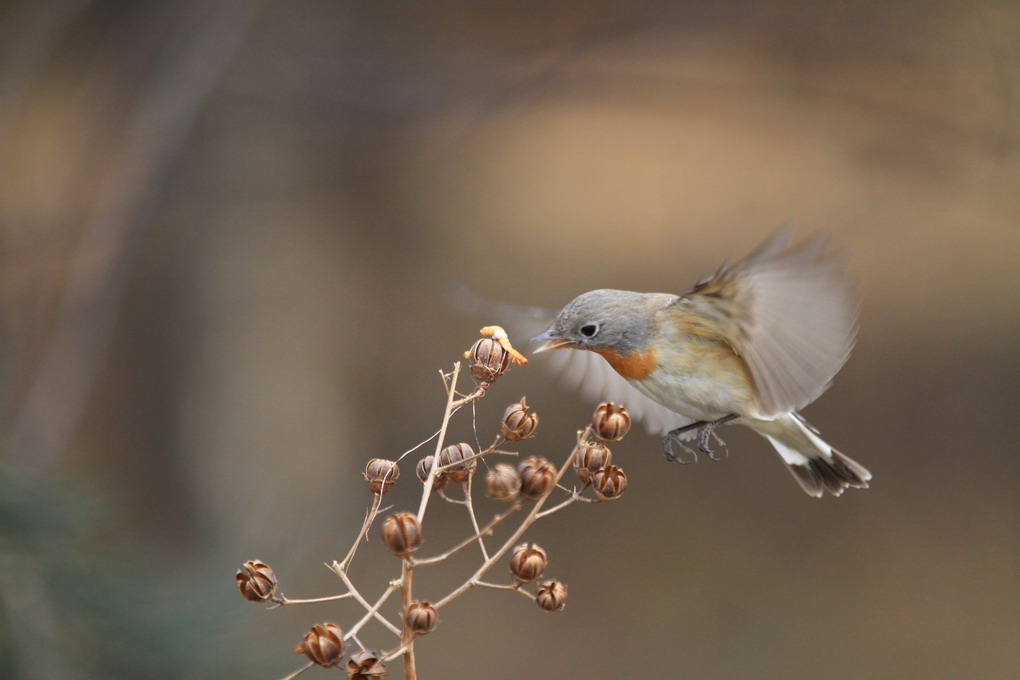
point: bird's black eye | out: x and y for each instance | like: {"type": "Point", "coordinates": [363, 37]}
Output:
{"type": "Point", "coordinates": [589, 330]}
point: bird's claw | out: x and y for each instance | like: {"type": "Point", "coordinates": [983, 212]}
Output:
{"type": "Point", "coordinates": [705, 429]}
{"type": "Point", "coordinates": [671, 456]}
{"type": "Point", "coordinates": [705, 435]}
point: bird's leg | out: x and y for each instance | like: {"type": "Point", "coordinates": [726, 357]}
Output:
{"type": "Point", "coordinates": [707, 431]}
{"type": "Point", "coordinates": [706, 428]}
{"type": "Point", "coordinates": [667, 447]}
{"type": "Point", "coordinates": [674, 435]}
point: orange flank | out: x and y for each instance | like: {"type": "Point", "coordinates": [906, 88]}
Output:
{"type": "Point", "coordinates": [633, 365]}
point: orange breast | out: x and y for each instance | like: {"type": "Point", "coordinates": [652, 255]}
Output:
{"type": "Point", "coordinates": [633, 365]}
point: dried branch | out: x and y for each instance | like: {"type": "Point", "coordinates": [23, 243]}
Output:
{"type": "Point", "coordinates": [533, 481]}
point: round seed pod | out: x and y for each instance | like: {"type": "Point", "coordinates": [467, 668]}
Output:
{"type": "Point", "coordinates": [519, 422]}
{"type": "Point", "coordinates": [552, 596]}
{"type": "Point", "coordinates": [381, 474]}
{"type": "Point", "coordinates": [401, 533]}
{"type": "Point", "coordinates": [527, 562]}
{"type": "Point", "coordinates": [502, 482]}
{"type": "Point", "coordinates": [323, 644]}
{"type": "Point", "coordinates": [461, 458]}
{"type": "Point", "coordinates": [488, 360]}
{"type": "Point", "coordinates": [256, 581]}
{"type": "Point", "coordinates": [590, 457]}
{"type": "Point", "coordinates": [610, 422]}
{"type": "Point", "coordinates": [609, 482]}
{"type": "Point", "coordinates": [538, 477]}
{"type": "Point", "coordinates": [421, 617]}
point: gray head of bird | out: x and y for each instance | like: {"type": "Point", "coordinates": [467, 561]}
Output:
{"type": "Point", "coordinates": [617, 320]}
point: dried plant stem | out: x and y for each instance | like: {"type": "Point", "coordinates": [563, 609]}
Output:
{"type": "Point", "coordinates": [474, 520]}
{"type": "Point", "coordinates": [283, 601]}
{"type": "Point", "coordinates": [576, 496]}
{"type": "Point", "coordinates": [531, 487]}
{"type": "Point", "coordinates": [369, 518]}
{"type": "Point", "coordinates": [298, 671]}
{"type": "Point", "coordinates": [370, 614]}
{"type": "Point", "coordinates": [525, 523]}
{"type": "Point", "coordinates": [357, 596]}
{"type": "Point", "coordinates": [407, 638]}
{"type": "Point", "coordinates": [498, 586]}
{"type": "Point", "coordinates": [470, 539]}
{"type": "Point", "coordinates": [390, 656]}
{"type": "Point", "coordinates": [447, 413]}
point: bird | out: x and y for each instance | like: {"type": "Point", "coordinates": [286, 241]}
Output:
{"type": "Point", "coordinates": [753, 344]}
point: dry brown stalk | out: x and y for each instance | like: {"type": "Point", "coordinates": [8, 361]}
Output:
{"type": "Point", "coordinates": [450, 466]}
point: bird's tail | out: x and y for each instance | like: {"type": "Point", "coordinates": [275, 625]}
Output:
{"type": "Point", "coordinates": [815, 465]}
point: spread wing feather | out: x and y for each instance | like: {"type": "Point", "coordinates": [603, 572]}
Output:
{"type": "Point", "coordinates": [790, 313]}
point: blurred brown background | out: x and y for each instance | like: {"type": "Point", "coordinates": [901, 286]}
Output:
{"type": "Point", "coordinates": [229, 235]}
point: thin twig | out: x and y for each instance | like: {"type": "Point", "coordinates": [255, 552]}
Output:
{"type": "Point", "coordinates": [298, 671]}
{"type": "Point", "coordinates": [282, 601]}
{"type": "Point", "coordinates": [470, 539]}
{"type": "Point", "coordinates": [365, 525]}
{"type": "Point", "coordinates": [417, 446]}
{"type": "Point", "coordinates": [447, 412]}
{"type": "Point", "coordinates": [497, 586]}
{"type": "Point", "coordinates": [468, 398]}
{"type": "Point", "coordinates": [357, 596]}
{"type": "Point", "coordinates": [370, 614]}
{"type": "Point", "coordinates": [553, 509]}
{"type": "Point", "coordinates": [474, 424]}
{"type": "Point", "coordinates": [390, 656]}
{"type": "Point", "coordinates": [474, 520]}
{"type": "Point", "coordinates": [456, 501]}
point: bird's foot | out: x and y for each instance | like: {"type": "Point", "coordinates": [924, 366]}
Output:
{"type": "Point", "coordinates": [705, 434]}
{"type": "Point", "coordinates": [671, 456]}
{"type": "Point", "coordinates": [706, 430]}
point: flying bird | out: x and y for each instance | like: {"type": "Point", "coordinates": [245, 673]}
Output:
{"type": "Point", "coordinates": [753, 344]}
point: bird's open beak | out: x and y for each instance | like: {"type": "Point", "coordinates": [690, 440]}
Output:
{"type": "Point", "coordinates": [551, 342]}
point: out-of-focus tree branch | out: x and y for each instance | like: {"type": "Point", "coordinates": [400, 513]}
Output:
{"type": "Point", "coordinates": [188, 59]}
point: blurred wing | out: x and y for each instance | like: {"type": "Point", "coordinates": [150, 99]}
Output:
{"type": "Point", "coordinates": [790, 313]}
{"type": "Point", "coordinates": [587, 372]}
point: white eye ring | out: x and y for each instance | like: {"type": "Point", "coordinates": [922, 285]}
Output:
{"type": "Point", "coordinates": [589, 330]}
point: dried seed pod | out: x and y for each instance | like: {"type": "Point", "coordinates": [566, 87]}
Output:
{"type": "Point", "coordinates": [610, 422]}
{"type": "Point", "coordinates": [527, 562]}
{"type": "Point", "coordinates": [609, 482]}
{"type": "Point", "coordinates": [461, 458]}
{"type": "Point", "coordinates": [538, 476]}
{"type": "Point", "coordinates": [421, 617]}
{"type": "Point", "coordinates": [366, 665]}
{"type": "Point", "coordinates": [381, 475]}
{"type": "Point", "coordinates": [401, 533]}
{"type": "Point", "coordinates": [552, 596]}
{"type": "Point", "coordinates": [488, 360]}
{"type": "Point", "coordinates": [590, 457]}
{"type": "Point", "coordinates": [502, 482]}
{"type": "Point", "coordinates": [323, 644]}
{"type": "Point", "coordinates": [423, 470]}
{"type": "Point", "coordinates": [256, 581]}
{"type": "Point", "coordinates": [519, 422]}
